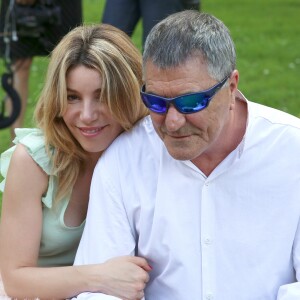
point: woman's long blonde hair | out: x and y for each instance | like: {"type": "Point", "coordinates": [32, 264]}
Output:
{"type": "Point", "coordinates": [109, 51]}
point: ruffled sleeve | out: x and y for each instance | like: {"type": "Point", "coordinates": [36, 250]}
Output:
{"type": "Point", "coordinates": [34, 141]}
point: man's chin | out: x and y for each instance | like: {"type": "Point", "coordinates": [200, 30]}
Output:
{"type": "Point", "coordinates": [179, 154]}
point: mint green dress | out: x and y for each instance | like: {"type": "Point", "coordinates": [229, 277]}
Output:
{"type": "Point", "coordinates": [58, 242]}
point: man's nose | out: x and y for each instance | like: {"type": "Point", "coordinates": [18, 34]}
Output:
{"type": "Point", "coordinates": [174, 119]}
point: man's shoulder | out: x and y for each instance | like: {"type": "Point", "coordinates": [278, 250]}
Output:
{"type": "Point", "coordinates": [142, 137]}
{"type": "Point", "coordinates": [142, 132]}
{"type": "Point", "coordinates": [272, 115]}
{"type": "Point", "coordinates": [269, 126]}
{"type": "Point", "coordinates": [133, 154]}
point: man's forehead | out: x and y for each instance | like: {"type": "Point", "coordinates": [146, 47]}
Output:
{"type": "Point", "coordinates": [193, 69]}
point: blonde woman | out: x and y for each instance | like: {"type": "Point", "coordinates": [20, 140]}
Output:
{"type": "Point", "coordinates": [90, 96]}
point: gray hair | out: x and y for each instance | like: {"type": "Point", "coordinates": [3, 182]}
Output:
{"type": "Point", "coordinates": [181, 35]}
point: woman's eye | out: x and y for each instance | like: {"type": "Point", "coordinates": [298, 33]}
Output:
{"type": "Point", "coordinates": [72, 97]}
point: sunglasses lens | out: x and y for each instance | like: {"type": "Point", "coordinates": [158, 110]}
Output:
{"type": "Point", "coordinates": [155, 104]}
{"type": "Point", "coordinates": [191, 103]}
{"type": "Point", "coordinates": [185, 104]}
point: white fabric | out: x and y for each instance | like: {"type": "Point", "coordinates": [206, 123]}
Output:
{"type": "Point", "coordinates": [233, 235]}
{"type": "Point", "coordinates": [289, 291]}
{"type": "Point", "coordinates": [96, 296]}
{"type": "Point", "coordinates": [3, 295]}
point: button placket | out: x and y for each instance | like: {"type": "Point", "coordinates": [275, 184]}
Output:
{"type": "Point", "coordinates": [207, 245]}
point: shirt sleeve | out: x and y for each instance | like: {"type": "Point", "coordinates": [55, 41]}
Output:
{"type": "Point", "coordinates": [34, 141]}
{"type": "Point", "coordinates": [107, 231]}
{"type": "Point", "coordinates": [289, 292]}
{"type": "Point", "coordinates": [94, 296]}
{"type": "Point", "coordinates": [292, 291]}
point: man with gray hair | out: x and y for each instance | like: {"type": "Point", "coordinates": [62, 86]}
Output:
{"type": "Point", "coordinates": [207, 188]}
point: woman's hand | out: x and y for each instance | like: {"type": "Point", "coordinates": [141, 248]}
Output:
{"type": "Point", "coordinates": [123, 277]}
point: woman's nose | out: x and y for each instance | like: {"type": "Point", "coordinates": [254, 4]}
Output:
{"type": "Point", "coordinates": [90, 111]}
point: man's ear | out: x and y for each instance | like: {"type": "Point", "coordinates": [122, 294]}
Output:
{"type": "Point", "coordinates": [233, 86]}
{"type": "Point", "coordinates": [234, 80]}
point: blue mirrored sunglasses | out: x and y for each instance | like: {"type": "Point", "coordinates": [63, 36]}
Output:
{"type": "Point", "coordinates": [185, 104]}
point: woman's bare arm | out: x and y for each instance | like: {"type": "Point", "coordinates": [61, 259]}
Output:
{"type": "Point", "coordinates": [20, 235]}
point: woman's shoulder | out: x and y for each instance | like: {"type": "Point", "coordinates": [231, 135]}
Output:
{"type": "Point", "coordinates": [33, 142]}
{"type": "Point", "coordinates": [32, 138]}
{"type": "Point", "coordinates": [29, 145]}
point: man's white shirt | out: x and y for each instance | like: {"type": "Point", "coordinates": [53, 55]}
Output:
{"type": "Point", "coordinates": [233, 235]}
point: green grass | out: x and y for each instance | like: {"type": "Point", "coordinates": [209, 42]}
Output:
{"type": "Point", "coordinates": [266, 34]}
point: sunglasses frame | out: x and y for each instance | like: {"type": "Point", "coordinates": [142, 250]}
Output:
{"type": "Point", "coordinates": [207, 95]}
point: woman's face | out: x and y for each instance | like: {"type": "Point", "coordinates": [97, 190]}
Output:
{"type": "Point", "coordinates": [88, 120]}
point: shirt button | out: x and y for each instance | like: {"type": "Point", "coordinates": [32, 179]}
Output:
{"type": "Point", "coordinates": [209, 296]}
{"type": "Point", "coordinates": [206, 183]}
{"type": "Point", "coordinates": [208, 241]}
